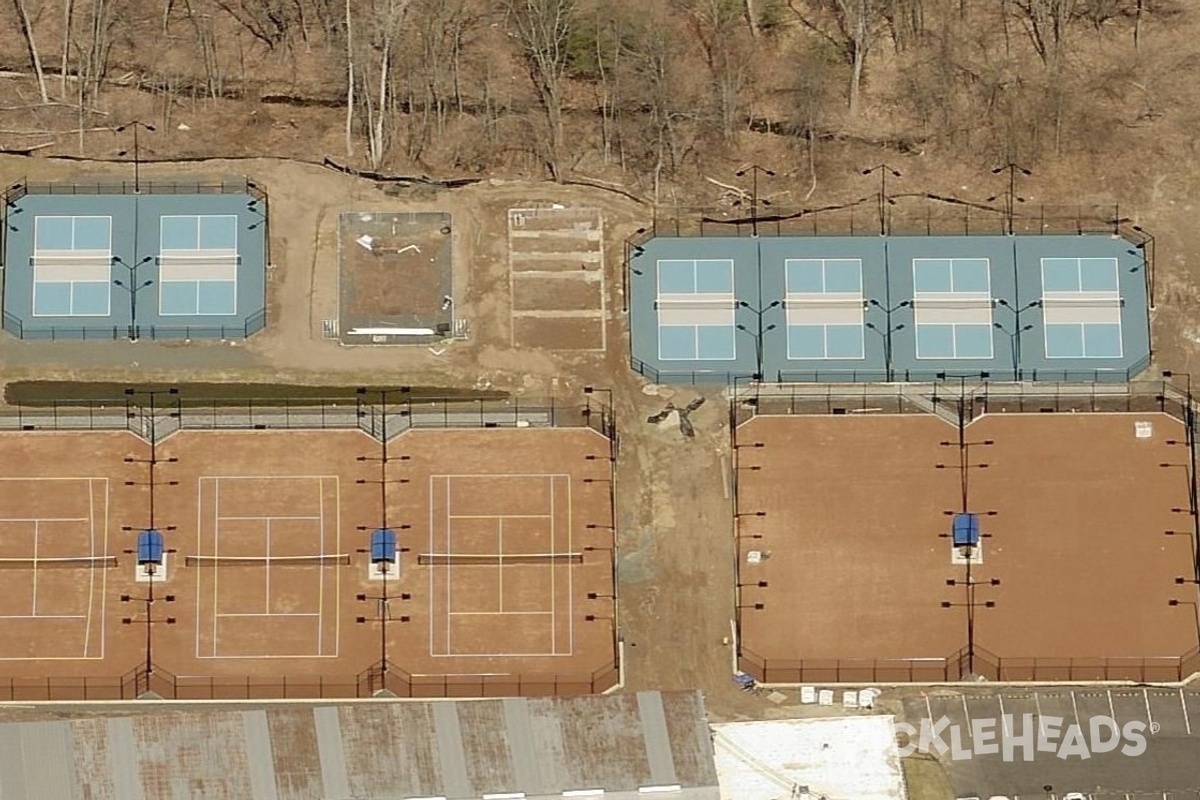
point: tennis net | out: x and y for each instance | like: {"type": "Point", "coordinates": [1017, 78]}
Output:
{"type": "Point", "coordinates": [323, 560]}
{"type": "Point", "coordinates": [69, 562]}
{"type": "Point", "coordinates": [1082, 301]}
{"type": "Point", "coordinates": [497, 559]}
{"type": "Point", "coordinates": [697, 303]}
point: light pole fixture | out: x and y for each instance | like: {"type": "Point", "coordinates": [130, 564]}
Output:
{"type": "Point", "coordinates": [1146, 245]}
{"type": "Point", "coordinates": [632, 251]}
{"type": "Point", "coordinates": [1011, 198]}
{"type": "Point", "coordinates": [135, 125]}
{"type": "Point", "coordinates": [133, 286]}
{"type": "Point", "coordinates": [755, 170]}
{"type": "Point", "coordinates": [149, 600]}
{"type": "Point", "coordinates": [1014, 345]}
{"type": "Point", "coordinates": [970, 605]}
{"type": "Point", "coordinates": [884, 201]}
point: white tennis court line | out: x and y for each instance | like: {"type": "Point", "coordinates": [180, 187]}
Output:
{"type": "Point", "coordinates": [498, 516]}
{"type": "Point", "coordinates": [92, 598]}
{"type": "Point", "coordinates": [553, 616]}
{"type": "Point", "coordinates": [267, 571]}
{"type": "Point", "coordinates": [261, 518]}
{"type": "Point", "coordinates": [498, 613]}
{"type": "Point", "coordinates": [33, 601]}
{"type": "Point", "coordinates": [553, 479]}
{"type": "Point", "coordinates": [571, 572]}
{"type": "Point", "coordinates": [269, 614]}
{"type": "Point", "coordinates": [320, 518]}
{"type": "Point", "coordinates": [449, 649]}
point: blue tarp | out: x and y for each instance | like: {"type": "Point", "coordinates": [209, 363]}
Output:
{"type": "Point", "coordinates": [966, 530]}
{"type": "Point", "coordinates": [150, 547]}
{"type": "Point", "coordinates": [383, 545]}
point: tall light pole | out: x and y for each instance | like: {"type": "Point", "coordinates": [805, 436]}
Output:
{"type": "Point", "coordinates": [884, 171]}
{"type": "Point", "coordinates": [758, 313]}
{"type": "Point", "coordinates": [384, 533]}
{"type": "Point", "coordinates": [137, 158]}
{"type": "Point", "coordinates": [152, 530]}
{"type": "Point", "coordinates": [1189, 441]}
{"type": "Point", "coordinates": [1011, 198]}
{"type": "Point", "coordinates": [758, 345]}
{"type": "Point", "coordinates": [887, 331]}
{"type": "Point", "coordinates": [1017, 330]}
{"type": "Point", "coordinates": [1146, 245]}
{"type": "Point", "coordinates": [754, 170]}
{"type": "Point", "coordinates": [886, 334]}
{"type": "Point", "coordinates": [1014, 345]}
{"type": "Point", "coordinates": [133, 286]}
{"type": "Point", "coordinates": [971, 603]}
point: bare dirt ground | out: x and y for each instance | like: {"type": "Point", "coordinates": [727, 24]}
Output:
{"type": "Point", "coordinates": [676, 576]}
{"type": "Point", "coordinates": [676, 569]}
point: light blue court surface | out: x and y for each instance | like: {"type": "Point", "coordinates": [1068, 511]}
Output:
{"type": "Point", "coordinates": [889, 308]}
{"type": "Point", "coordinates": [695, 304]}
{"type": "Point", "coordinates": [176, 261]}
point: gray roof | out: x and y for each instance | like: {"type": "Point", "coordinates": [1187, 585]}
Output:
{"type": "Point", "coordinates": [541, 747]}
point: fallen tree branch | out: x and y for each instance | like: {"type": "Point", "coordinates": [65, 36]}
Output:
{"type": "Point", "coordinates": [411, 180]}
{"type": "Point", "coordinates": [55, 133]}
{"type": "Point", "coordinates": [594, 183]}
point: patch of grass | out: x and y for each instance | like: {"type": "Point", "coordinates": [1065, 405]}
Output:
{"type": "Point", "coordinates": [45, 393]}
{"type": "Point", "coordinates": [926, 778]}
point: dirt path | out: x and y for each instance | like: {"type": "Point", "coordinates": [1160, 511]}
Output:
{"type": "Point", "coordinates": [676, 568]}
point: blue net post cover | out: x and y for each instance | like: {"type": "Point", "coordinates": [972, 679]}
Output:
{"type": "Point", "coordinates": [383, 545]}
{"type": "Point", "coordinates": [150, 547]}
{"type": "Point", "coordinates": [966, 530]}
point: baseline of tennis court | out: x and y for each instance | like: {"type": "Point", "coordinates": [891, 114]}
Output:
{"type": "Point", "coordinates": [266, 559]}
{"type": "Point", "coordinates": [54, 563]}
{"type": "Point", "coordinates": [501, 565]}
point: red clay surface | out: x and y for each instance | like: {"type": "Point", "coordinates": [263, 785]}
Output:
{"type": "Point", "coordinates": [296, 493]}
{"type": "Point", "coordinates": [857, 568]}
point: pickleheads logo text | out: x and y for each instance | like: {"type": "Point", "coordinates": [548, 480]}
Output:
{"type": "Point", "coordinates": [1019, 738]}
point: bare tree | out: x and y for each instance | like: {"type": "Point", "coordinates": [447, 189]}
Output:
{"type": "Point", "coordinates": [812, 76]}
{"type": "Point", "coordinates": [906, 19]}
{"type": "Point", "coordinates": [717, 26]}
{"type": "Point", "coordinates": [1047, 22]}
{"type": "Point", "coordinates": [351, 80]}
{"type": "Point", "coordinates": [68, 22]}
{"type": "Point", "coordinates": [850, 25]}
{"type": "Point", "coordinates": [272, 22]}
{"type": "Point", "coordinates": [431, 62]}
{"type": "Point", "coordinates": [31, 45]}
{"type": "Point", "coordinates": [93, 48]}
{"type": "Point", "coordinates": [658, 70]}
{"type": "Point", "coordinates": [543, 28]}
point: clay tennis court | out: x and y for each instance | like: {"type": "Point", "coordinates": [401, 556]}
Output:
{"type": "Point", "coordinates": [268, 537]}
{"type": "Point", "coordinates": [1073, 508]}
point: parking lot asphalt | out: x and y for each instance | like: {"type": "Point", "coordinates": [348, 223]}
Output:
{"type": "Point", "coordinates": [1118, 743]}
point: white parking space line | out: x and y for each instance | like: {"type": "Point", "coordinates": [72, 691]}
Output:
{"type": "Point", "coordinates": [929, 708]}
{"type": "Point", "coordinates": [1186, 720]}
{"type": "Point", "coordinates": [1149, 717]}
{"type": "Point", "coordinates": [1112, 711]}
{"type": "Point", "coordinates": [1003, 721]}
{"type": "Point", "coordinates": [1075, 708]}
{"type": "Point", "coordinates": [966, 714]}
{"type": "Point", "coordinates": [1038, 703]}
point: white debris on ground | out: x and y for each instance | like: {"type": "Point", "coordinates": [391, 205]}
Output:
{"type": "Point", "coordinates": [835, 758]}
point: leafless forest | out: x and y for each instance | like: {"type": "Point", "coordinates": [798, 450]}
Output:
{"type": "Point", "coordinates": [652, 95]}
